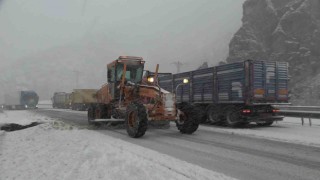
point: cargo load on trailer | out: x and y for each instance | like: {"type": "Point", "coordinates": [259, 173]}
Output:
{"type": "Point", "coordinates": [21, 100]}
{"type": "Point", "coordinates": [80, 99]}
{"type": "Point", "coordinates": [61, 100]}
{"type": "Point", "coordinates": [127, 97]}
{"type": "Point", "coordinates": [236, 93]}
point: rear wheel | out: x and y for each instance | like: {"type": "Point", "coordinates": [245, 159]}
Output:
{"type": "Point", "coordinates": [233, 117]}
{"type": "Point", "coordinates": [214, 115]}
{"type": "Point", "coordinates": [136, 120]}
{"type": "Point", "coordinates": [189, 118]}
{"type": "Point", "coordinates": [202, 113]}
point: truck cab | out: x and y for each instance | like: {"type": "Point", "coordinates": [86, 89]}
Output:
{"type": "Point", "coordinates": [133, 67]}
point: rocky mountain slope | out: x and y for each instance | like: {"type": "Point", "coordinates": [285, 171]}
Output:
{"type": "Point", "coordinates": [283, 30]}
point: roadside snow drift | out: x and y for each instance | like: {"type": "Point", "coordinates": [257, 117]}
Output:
{"type": "Point", "coordinates": [55, 150]}
{"type": "Point", "coordinates": [289, 130]}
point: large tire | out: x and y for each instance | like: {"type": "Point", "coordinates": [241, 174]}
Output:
{"type": "Point", "coordinates": [265, 123]}
{"type": "Point", "coordinates": [233, 117]}
{"type": "Point", "coordinates": [202, 113]}
{"type": "Point", "coordinates": [214, 115]}
{"type": "Point", "coordinates": [189, 118]}
{"type": "Point", "coordinates": [136, 120]}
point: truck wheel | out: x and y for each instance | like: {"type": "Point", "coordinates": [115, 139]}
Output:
{"type": "Point", "coordinates": [233, 117]}
{"type": "Point", "coordinates": [203, 113]}
{"type": "Point", "coordinates": [214, 116]}
{"type": "Point", "coordinates": [265, 123]}
{"type": "Point", "coordinates": [136, 121]}
{"type": "Point", "coordinates": [189, 118]}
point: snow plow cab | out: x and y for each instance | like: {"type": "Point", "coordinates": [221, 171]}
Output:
{"type": "Point", "coordinates": [126, 98]}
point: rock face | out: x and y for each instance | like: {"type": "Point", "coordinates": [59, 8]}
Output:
{"type": "Point", "coordinates": [283, 30]}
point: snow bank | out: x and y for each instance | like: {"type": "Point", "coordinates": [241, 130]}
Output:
{"type": "Point", "coordinates": [290, 130]}
{"type": "Point", "coordinates": [56, 150]}
{"type": "Point", "coordinates": [69, 111]}
{"type": "Point", "coordinates": [45, 104]}
{"type": "Point", "coordinates": [20, 117]}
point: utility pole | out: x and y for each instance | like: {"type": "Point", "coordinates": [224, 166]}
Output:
{"type": "Point", "coordinates": [178, 65]}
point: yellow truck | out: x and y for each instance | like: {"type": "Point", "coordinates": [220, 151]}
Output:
{"type": "Point", "coordinates": [80, 99]}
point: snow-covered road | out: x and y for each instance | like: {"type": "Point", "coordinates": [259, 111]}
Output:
{"type": "Point", "coordinates": [277, 152]}
{"type": "Point", "coordinates": [56, 150]}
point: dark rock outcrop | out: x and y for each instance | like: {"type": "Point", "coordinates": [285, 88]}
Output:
{"type": "Point", "coordinates": [283, 30]}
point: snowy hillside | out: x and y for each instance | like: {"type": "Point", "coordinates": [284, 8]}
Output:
{"type": "Point", "coordinates": [286, 30]}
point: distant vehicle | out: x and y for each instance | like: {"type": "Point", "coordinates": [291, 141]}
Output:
{"type": "Point", "coordinates": [80, 99]}
{"type": "Point", "coordinates": [61, 100]}
{"type": "Point", "coordinates": [21, 100]}
{"type": "Point", "coordinates": [236, 93]}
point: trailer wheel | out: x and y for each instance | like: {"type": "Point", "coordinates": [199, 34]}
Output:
{"type": "Point", "coordinates": [136, 121]}
{"type": "Point", "coordinates": [214, 115]}
{"type": "Point", "coordinates": [233, 117]}
{"type": "Point", "coordinates": [265, 123]}
{"type": "Point", "coordinates": [189, 118]}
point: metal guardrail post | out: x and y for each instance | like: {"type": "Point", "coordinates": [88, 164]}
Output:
{"type": "Point", "coordinates": [310, 122]}
{"type": "Point", "coordinates": [302, 112]}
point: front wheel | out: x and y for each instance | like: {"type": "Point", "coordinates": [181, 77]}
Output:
{"type": "Point", "coordinates": [189, 119]}
{"type": "Point", "coordinates": [136, 120]}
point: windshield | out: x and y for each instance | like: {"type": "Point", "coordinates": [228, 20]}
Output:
{"type": "Point", "coordinates": [133, 73]}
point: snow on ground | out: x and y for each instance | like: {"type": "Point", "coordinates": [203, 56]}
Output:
{"type": "Point", "coordinates": [290, 130]}
{"type": "Point", "coordinates": [69, 111]}
{"type": "Point", "coordinates": [45, 104]}
{"type": "Point", "coordinates": [20, 117]}
{"type": "Point", "coordinates": [55, 150]}
{"type": "Point", "coordinates": [293, 120]}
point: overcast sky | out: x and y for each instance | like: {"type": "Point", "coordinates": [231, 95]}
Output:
{"type": "Point", "coordinates": [171, 29]}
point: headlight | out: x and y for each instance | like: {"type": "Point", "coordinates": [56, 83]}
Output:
{"type": "Point", "coordinates": [185, 81]}
{"type": "Point", "coordinates": [150, 79]}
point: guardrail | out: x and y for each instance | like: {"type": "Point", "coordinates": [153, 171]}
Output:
{"type": "Point", "coordinates": [303, 112]}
